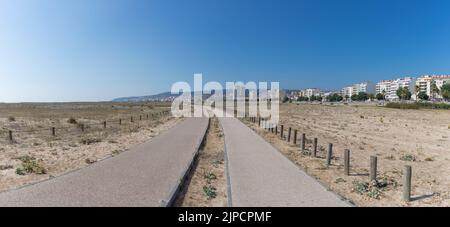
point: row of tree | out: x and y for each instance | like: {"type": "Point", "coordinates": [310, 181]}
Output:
{"type": "Point", "coordinates": [403, 93]}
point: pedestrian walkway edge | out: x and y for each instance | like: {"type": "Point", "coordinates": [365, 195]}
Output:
{"type": "Point", "coordinates": [170, 200]}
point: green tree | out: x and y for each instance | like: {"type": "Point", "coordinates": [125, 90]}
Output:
{"type": "Point", "coordinates": [362, 96]}
{"type": "Point", "coordinates": [434, 89]}
{"type": "Point", "coordinates": [355, 97]}
{"type": "Point", "coordinates": [445, 91]}
{"type": "Point", "coordinates": [380, 96]}
{"type": "Point", "coordinates": [423, 95]}
{"type": "Point", "coordinates": [403, 93]}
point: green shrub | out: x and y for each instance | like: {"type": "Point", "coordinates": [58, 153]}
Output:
{"type": "Point", "coordinates": [210, 191]}
{"type": "Point", "coordinates": [11, 119]}
{"type": "Point", "coordinates": [408, 158]}
{"type": "Point", "coordinates": [72, 121]}
{"type": "Point", "coordinates": [29, 165]}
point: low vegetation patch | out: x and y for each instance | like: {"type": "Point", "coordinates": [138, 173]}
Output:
{"type": "Point", "coordinates": [408, 158]}
{"type": "Point", "coordinates": [72, 121]}
{"type": "Point", "coordinates": [89, 141]}
{"type": "Point", "coordinates": [11, 119]}
{"type": "Point", "coordinates": [29, 165]}
{"type": "Point", "coordinates": [210, 191]}
{"type": "Point", "coordinates": [418, 105]}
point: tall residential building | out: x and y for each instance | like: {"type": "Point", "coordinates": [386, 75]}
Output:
{"type": "Point", "coordinates": [347, 91]}
{"type": "Point", "coordinates": [383, 87]}
{"type": "Point", "coordinates": [355, 89]}
{"type": "Point", "coordinates": [392, 86]}
{"type": "Point", "coordinates": [310, 92]}
{"type": "Point", "coordinates": [425, 84]}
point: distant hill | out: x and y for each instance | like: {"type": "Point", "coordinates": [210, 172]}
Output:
{"type": "Point", "coordinates": [167, 96]}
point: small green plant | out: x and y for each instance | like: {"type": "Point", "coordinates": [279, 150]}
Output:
{"type": "Point", "coordinates": [89, 141]}
{"type": "Point", "coordinates": [429, 159]}
{"type": "Point", "coordinates": [11, 119]}
{"type": "Point", "coordinates": [29, 165]}
{"type": "Point", "coordinates": [209, 176]}
{"type": "Point", "coordinates": [210, 191]}
{"type": "Point", "coordinates": [367, 189]}
{"type": "Point", "coordinates": [72, 121]}
{"type": "Point", "coordinates": [408, 158]}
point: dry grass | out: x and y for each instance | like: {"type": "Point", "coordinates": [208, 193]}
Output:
{"type": "Point", "coordinates": [403, 137]}
{"type": "Point", "coordinates": [71, 148]}
{"type": "Point", "coordinates": [207, 184]}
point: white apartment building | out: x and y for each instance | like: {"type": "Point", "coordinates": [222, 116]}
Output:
{"type": "Point", "coordinates": [391, 86]}
{"type": "Point", "coordinates": [347, 91]}
{"type": "Point", "coordinates": [424, 83]}
{"type": "Point", "coordinates": [355, 89]}
{"type": "Point", "coordinates": [310, 92]}
{"type": "Point", "coordinates": [383, 87]}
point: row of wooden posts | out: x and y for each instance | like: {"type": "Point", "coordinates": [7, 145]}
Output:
{"type": "Point", "coordinates": [82, 126]}
{"type": "Point", "coordinates": [273, 128]}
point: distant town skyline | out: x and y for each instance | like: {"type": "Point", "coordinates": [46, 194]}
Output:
{"type": "Point", "coordinates": [98, 50]}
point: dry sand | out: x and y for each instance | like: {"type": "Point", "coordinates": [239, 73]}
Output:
{"type": "Point", "coordinates": [209, 171]}
{"type": "Point", "coordinates": [390, 134]}
{"type": "Point", "coordinates": [71, 148]}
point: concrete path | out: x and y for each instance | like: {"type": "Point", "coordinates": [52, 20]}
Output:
{"type": "Point", "coordinates": [142, 176]}
{"type": "Point", "coordinates": [260, 175]}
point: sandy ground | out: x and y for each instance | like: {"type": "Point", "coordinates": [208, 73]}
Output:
{"type": "Point", "coordinates": [71, 148]}
{"type": "Point", "coordinates": [209, 171]}
{"type": "Point", "coordinates": [392, 135]}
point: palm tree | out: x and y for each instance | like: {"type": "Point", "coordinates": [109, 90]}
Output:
{"type": "Point", "coordinates": [434, 90]}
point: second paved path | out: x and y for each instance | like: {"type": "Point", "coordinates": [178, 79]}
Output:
{"type": "Point", "coordinates": [262, 176]}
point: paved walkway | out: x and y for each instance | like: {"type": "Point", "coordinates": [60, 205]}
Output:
{"type": "Point", "coordinates": [142, 176]}
{"type": "Point", "coordinates": [262, 176]}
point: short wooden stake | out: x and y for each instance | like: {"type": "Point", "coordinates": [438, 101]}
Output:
{"type": "Point", "coordinates": [347, 162]}
{"type": "Point", "coordinates": [289, 135]}
{"type": "Point", "coordinates": [10, 136]}
{"type": "Point", "coordinates": [282, 131]}
{"type": "Point", "coordinates": [303, 141]}
{"type": "Point", "coordinates": [373, 168]}
{"type": "Point", "coordinates": [407, 176]}
{"type": "Point", "coordinates": [329, 154]}
{"type": "Point", "coordinates": [295, 136]}
{"type": "Point", "coordinates": [315, 148]}
{"type": "Point", "coordinates": [53, 131]}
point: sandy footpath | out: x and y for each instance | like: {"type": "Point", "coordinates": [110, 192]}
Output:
{"type": "Point", "coordinates": [419, 138]}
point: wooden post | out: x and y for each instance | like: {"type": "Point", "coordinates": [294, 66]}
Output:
{"type": "Point", "coordinates": [104, 124]}
{"type": "Point", "coordinates": [347, 162]}
{"type": "Point", "coordinates": [140, 117]}
{"type": "Point", "coordinates": [407, 175]}
{"type": "Point", "coordinates": [82, 127]}
{"type": "Point", "coordinates": [315, 148]}
{"type": "Point", "coordinates": [295, 136]}
{"type": "Point", "coordinates": [53, 131]}
{"type": "Point", "coordinates": [282, 131]}
{"type": "Point", "coordinates": [373, 168]}
{"type": "Point", "coordinates": [259, 121]}
{"type": "Point", "coordinates": [10, 135]}
{"type": "Point", "coordinates": [329, 154]}
{"type": "Point", "coordinates": [131, 119]}
{"type": "Point", "coordinates": [303, 141]}
{"type": "Point", "coordinates": [276, 129]}
{"type": "Point", "coordinates": [289, 135]}
{"type": "Point", "coordinates": [120, 121]}
{"type": "Point", "coordinates": [147, 116]}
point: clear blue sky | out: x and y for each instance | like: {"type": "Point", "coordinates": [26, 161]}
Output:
{"type": "Point", "coordinates": [89, 50]}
